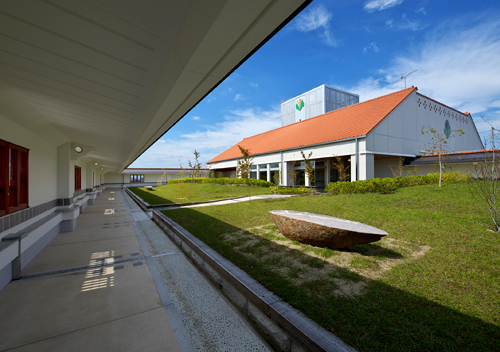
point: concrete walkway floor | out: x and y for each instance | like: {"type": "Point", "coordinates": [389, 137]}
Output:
{"type": "Point", "coordinates": [117, 283]}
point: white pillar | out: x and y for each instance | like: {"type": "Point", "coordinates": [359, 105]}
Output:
{"type": "Point", "coordinates": [328, 171]}
{"type": "Point", "coordinates": [284, 173]}
{"type": "Point", "coordinates": [258, 172]}
{"type": "Point", "coordinates": [89, 167]}
{"type": "Point", "coordinates": [366, 166]}
{"type": "Point", "coordinates": [65, 173]}
{"type": "Point", "coordinates": [353, 168]}
{"type": "Point", "coordinates": [307, 179]}
{"type": "Point", "coordinates": [268, 172]}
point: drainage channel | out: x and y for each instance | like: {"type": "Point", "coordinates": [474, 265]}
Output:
{"type": "Point", "coordinates": [76, 269]}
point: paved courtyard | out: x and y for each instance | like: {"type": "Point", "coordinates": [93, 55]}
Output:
{"type": "Point", "coordinates": [117, 283]}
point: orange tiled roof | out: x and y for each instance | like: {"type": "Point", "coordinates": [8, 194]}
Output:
{"type": "Point", "coordinates": [351, 121]}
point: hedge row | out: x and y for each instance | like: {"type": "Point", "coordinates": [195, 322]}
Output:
{"type": "Point", "coordinates": [222, 181]}
{"type": "Point", "coordinates": [288, 190]}
{"type": "Point", "coordinates": [389, 185]}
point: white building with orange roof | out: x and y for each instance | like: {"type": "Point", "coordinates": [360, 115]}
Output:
{"type": "Point", "coordinates": [371, 136]}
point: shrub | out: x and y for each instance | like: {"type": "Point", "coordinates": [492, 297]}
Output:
{"type": "Point", "coordinates": [375, 185]}
{"type": "Point", "coordinates": [288, 190]}
{"type": "Point", "coordinates": [222, 181]}
{"type": "Point", "coordinates": [389, 185]}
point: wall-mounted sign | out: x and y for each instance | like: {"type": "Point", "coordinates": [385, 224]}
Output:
{"type": "Point", "coordinates": [447, 129]}
{"type": "Point", "coordinates": [299, 105]}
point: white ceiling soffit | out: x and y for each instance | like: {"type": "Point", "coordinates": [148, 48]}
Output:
{"type": "Point", "coordinates": [118, 74]}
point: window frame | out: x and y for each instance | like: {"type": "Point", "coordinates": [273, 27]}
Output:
{"type": "Point", "coordinates": [14, 178]}
{"type": "Point", "coordinates": [137, 178]}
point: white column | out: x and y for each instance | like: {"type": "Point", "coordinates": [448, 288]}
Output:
{"type": "Point", "coordinates": [366, 166]}
{"type": "Point", "coordinates": [328, 171]}
{"type": "Point", "coordinates": [307, 179]}
{"type": "Point", "coordinates": [268, 173]}
{"type": "Point", "coordinates": [65, 172]}
{"type": "Point", "coordinates": [89, 167]}
{"type": "Point", "coordinates": [284, 173]}
{"type": "Point", "coordinates": [258, 172]}
{"type": "Point", "coordinates": [353, 168]}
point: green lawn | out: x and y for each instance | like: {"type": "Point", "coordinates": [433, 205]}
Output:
{"type": "Point", "coordinates": [432, 285]}
{"type": "Point", "coordinates": [195, 192]}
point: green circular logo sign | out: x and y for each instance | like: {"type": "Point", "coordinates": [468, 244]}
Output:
{"type": "Point", "coordinates": [299, 105]}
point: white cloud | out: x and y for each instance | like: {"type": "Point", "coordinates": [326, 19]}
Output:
{"type": "Point", "coordinates": [373, 46]}
{"type": "Point", "coordinates": [380, 5]}
{"type": "Point", "coordinates": [421, 10]}
{"type": "Point", "coordinates": [409, 24]}
{"type": "Point", "coordinates": [238, 97]}
{"type": "Point", "coordinates": [317, 18]}
{"type": "Point", "coordinates": [196, 118]}
{"type": "Point", "coordinates": [458, 65]}
{"type": "Point", "coordinates": [254, 85]}
{"type": "Point", "coordinates": [389, 22]}
{"type": "Point", "coordinates": [211, 141]}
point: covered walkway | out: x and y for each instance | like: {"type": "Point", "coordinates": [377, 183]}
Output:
{"type": "Point", "coordinates": [117, 283]}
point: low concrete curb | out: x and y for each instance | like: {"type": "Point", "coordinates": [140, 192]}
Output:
{"type": "Point", "coordinates": [285, 327]}
{"type": "Point", "coordinates": [142, 204]}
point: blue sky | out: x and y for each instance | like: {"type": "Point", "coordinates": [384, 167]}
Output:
{"type": "Point", "coordinates": [360, 46]}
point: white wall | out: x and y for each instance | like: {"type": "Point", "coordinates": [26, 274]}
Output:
{"type": "Point", "coordinates": [114, 177]}
{"type": "Point", "coordinates": [383, 166]}
{"type": "Point", "coordinates": [401, 131]}
{"type": "Point", "coordinates": [42, 161]}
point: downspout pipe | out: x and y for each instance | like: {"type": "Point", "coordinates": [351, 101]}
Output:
{"type": "Point", "coordinates": [356, 153]}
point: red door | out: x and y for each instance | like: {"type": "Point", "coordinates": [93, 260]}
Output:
{"type": "Point", "coordinates": [78, 178]}
{"type": "Point", "coordinates": [23, 160]}
{"type": "Point", "coordinates": [13, 178]}
{"type": "Point", "coordinates": [4, 177]}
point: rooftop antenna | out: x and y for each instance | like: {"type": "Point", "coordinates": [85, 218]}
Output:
{"type": "Point", "coordinates": [404, 77]}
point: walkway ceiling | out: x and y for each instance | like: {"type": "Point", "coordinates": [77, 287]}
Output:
{"type": "Point", "coordinates": [118, 74]}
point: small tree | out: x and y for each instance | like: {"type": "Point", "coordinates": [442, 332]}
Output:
{"type": "Point", "coordinates": [180, 185]}
{"type": "Point", "coordinates": [398, 170]}
{"type": "Point", "coordinates": [163, 177]}
{"type": "Point", "coordinates": [195, 169]}
{"type": "Point", "coordinates": [485, 174]}
{"type": "Point", "coordinates": [342, 168]}
{"type": "Point", "coordinates": [439, 144]}
{"type": "Point", "coordinates": [277, 178]}
{"type": "Point", "coordinates": [309, 168]}
{"type": "Point", "coordinates": [293, 174]}
{"type": "Point", "coordinates": [245, 167]}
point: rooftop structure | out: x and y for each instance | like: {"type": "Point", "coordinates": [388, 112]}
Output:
{"type": "Point", "coordinates": [315, 102]}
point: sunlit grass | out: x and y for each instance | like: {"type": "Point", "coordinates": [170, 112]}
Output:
{"type": "Point", "coordinates": [183, 193]}
{"type": "Point", "coordinates": [433, 284]}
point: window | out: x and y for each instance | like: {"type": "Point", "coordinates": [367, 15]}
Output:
{"type": "Point", "coordinates": [136, 178]}
{"type": "Point", "coordinates": [78, 178]}
{"type": "Point", "coordinates": [13, 178]}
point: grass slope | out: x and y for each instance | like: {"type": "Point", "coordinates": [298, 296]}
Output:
{"type": "Point", "coordinates": [446, 299]}
{"type": "Point", "coordinates": [196, 192]}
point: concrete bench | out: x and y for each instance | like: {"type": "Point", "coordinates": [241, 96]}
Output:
{"type": "Point", "coordinates": [9, 252]}
{"type": "Point", "coordinates": [25, 241]}
{"type": "Point", "coordinates": [148, 187]}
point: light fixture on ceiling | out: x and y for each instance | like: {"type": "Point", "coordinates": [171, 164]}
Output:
{"type": "Point", "coordinates": [96, 164]}
{"type": "Point", "coordinates": [78, 149]}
